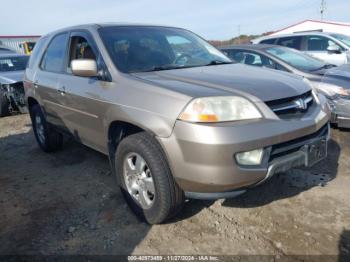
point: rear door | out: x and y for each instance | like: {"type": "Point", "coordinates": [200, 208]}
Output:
{"type": "Point", "coordinates": [84, 106]}
{"type": "Point", "coordinates": [47, 77]}
{"type": "Point", "coordinates": [317, 46]}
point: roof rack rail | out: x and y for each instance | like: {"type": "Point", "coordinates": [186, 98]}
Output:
{"type": "Point", "coordinates": [316, 30]}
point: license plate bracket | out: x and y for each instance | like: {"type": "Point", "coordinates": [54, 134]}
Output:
{"type": "Point", "coordinates": [315, 152]}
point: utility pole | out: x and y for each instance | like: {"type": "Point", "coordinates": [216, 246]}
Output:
{"type": "Point", "coordinates": [322, 8]}
{"type": "Point", "coordinates": [239, 34]}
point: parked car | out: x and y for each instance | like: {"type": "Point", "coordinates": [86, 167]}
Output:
{"type": "Point", "coordinates": [5, 50]}
{"type": "Point", "coordinates": [331, 48]}
{"type": "Point", "coordinates": [334, 84]}
{"type": "Point", "coordinates": [12, 68]}
{"type": "Point", "coordinates": [175, 116]}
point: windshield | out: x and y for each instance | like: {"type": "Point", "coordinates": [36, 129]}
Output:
{"type": "Point", "coordinates": [16, 63]}
{"type": "Point", "coordinates": [343, 38]}
{"type": "Point", "coordinates": [149, 48]}
{"type": "Point", "coordinates": [296, 59]}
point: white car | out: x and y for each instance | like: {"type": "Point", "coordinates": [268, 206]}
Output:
{"type": "Point", "coordinates": [332, 48]}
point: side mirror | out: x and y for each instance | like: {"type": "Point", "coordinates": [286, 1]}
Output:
{"type": "Point", "coordinates": [84, 67]}
{"type": "Point", "coordinates": [334, 49]}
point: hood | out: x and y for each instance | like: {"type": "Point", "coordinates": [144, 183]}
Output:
{"type": "Point", "coordinates": [232, 79]}
{"type": "Point", "coordinates": [11, 77]}
{"type": "Point", "coordinates": [338, 76]}
{"type": "Point", "coordinates": [342, 71]}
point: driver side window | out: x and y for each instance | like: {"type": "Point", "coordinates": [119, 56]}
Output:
{"type": "Point", "coordinates": [80, 48]}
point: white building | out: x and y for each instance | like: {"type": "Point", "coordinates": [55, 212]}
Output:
{"type": "Point", "coordinates": [309, 25]}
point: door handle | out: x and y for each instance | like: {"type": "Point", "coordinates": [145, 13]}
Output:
{"type": "Point", "coordinates": [61, 90]}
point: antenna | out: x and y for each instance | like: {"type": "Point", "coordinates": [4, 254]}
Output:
{"type": "Point", "coordinates": [323, 8]}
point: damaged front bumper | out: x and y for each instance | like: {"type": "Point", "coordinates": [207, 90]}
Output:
{"type": "Point", "coordinates": [302, 152]}
{"type": "Point", "coordinates": [340, 112]}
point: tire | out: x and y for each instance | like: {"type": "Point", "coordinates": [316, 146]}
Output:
{"type": "Point", "coordinates": [168, 198]}
{"type": "Point", "coordinates": [48, 139]}
{"type": "Point", "coordinates": [4, 105]}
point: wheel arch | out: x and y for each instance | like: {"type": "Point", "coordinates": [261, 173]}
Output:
{"type": "Point", "coordinates": [30, 103]}
{"type": "Point", "coordinates": [117, 131]}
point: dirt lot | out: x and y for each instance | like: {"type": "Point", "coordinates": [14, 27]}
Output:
{"type": "Point", "coordinates": [67, 203]}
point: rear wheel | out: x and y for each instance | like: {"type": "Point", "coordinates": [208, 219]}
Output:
{"type": "Point", "coordinates": [48, 139]}
{"type": "Point", "coordinates": [4, 105]}
{"type": "Point", "coordinates": [146, 180]}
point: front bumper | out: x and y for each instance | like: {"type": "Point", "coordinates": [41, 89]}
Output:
{"type": "Point", "coordinates": [340, 112]}
{"type": "Point", "coordinates": [201, 156]}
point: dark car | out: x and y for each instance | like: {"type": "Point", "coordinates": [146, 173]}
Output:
{"type": "Point", "coordinates": [332, 81]}
{"type": "Point", "coordinates": [5, 50]}
{"type": "Point", "coordinates": [12, 68]}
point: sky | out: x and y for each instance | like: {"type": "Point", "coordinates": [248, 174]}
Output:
{"type": "Point", "coordinates": [212, 19]}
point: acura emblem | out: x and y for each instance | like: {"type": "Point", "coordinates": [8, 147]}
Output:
{"type": "Point", "coordinates": [301, 104]}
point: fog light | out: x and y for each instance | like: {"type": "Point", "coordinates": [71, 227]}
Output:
{"type": "Point", "coordinates": [250, 158]}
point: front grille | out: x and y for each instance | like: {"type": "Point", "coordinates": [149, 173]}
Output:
{"type": "Point", "coordinates": [292, 106]}
{"type": "Point", "coordinates": [289, 147]}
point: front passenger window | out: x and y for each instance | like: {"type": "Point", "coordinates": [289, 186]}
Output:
{"type": "Point", "coordinates": [319, 43]}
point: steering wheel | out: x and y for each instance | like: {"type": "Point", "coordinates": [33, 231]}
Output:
{"type": "Point", "coordinates": [177, 59]}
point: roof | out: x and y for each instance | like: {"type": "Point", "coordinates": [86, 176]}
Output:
{"type": "Point", "coordinates": [314, 32]}
{"type": "Point", "coordinates": [315, 21]}
{"type": "Point", "coordinates": [248, 46]}
{"type": "Point", "coordinates": [259, 39]}
{"type": "Point", "coordinates": [96, 25]}
{"type": "Point", "coordinates": [107, 24]}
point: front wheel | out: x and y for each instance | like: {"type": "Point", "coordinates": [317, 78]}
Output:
{"type": "Point", "coordinates": [146, 180]}
{"type": "Point", "coordinates": [48, 139]}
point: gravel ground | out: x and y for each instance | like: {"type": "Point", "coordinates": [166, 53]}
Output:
{"type": "Point", "coordinates": [67, 203]}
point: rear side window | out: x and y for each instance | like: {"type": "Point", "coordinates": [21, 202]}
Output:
{"type": "Point", "coordinates": [268, 41]}
{"type": "Point", "coordinates": [291, 42]}
{"type": "Point", "coordinates": [55, 53]}
{"type": "Point", "coordinates": [36, 52]}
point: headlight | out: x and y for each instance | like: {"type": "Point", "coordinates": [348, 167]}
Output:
{"type": "Point", "coordinates": [219, 109]}
{"type": "Point", "coordinates": [330, 90]}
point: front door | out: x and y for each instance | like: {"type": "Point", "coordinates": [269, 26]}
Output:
{"type": "Point", "coordinates": [317, 46]}
{"type": "Point", "coordinates": [84, 106]}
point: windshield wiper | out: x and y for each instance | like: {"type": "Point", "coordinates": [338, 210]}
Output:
{"type": "Point", "coordinates": [325, 66]}
{"type": "Point", "coordinates": [163, 67]}
{"type": "Point", "coordinates": [218, 62]}
{"type": "Point", "coordinates": [170, 67]}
